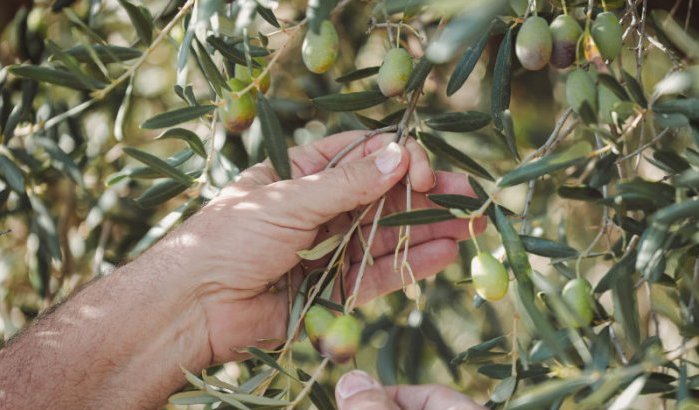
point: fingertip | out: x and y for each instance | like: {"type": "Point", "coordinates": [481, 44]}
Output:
{"type": "Point", "coordinates": [422, 176]}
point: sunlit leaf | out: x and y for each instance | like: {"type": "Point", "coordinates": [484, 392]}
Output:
{"type": "Point", "coordinates": [192, 139]}
{"type": "Point", "coordinates": [159, 165]}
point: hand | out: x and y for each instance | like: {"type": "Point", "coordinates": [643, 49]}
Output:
{"type": "Point", "coordinates": [236, 250]}
{"type": "Point", "coordinates": [357, 390]}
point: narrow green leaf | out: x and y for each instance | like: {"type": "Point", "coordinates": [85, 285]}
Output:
{"type": "Point", "coordinates": [177, 116]}
{"type": "Point", "coordinates": [480, 352]}
{"type": "Point", "coordinates": [350, 101]}
{"type": "Point", "coordinates": [140, 20]}
{"type": "Point", "coordinates": [546, 393]}
{"type": "Point", "coordinates": [107, 54]}
{"type": "Point", "coordinates": [613, 85]}
{"type": "Point", "coordinates": [500, 96]}
{"type": "Point", "coordinates": [72, 65]}
{"type": "Point", "coordinates": [579, 192]}
{"type": "Point", "coordinates": [462, 202]}
{"type": "Point", "coordinates": [274, 141]}
{"type": "Point", "coordinates": [229, 51]}
{"type": "Point", "coordinates": [440, 147]}
{"type": "Point", "coordinates": [635, 89]}
{"type": "Point", "coordinates": [60, 160]}
{"type": "Point", "coordinates": [689, 107]}
{"type": "Point", "coordinates": [504, 390]}
{"type": "Point", "coordinates": [358, 74]}
{"type": "Point", "coordinates": [53, 76]}
{"type": "Point", "coordinates": [192, 139]}
{"type": "Point", "coordinates": [508, 133]}
{"type": "Point", "coordinates": [12, 175]}
{"type": "Point", "coordinates": [158, 164]}
{"type": "Point", "coordinates": [265, 358]}
{"type": "Point", "coordinates": [319, 397]}
{"type": "Point", "coordinates": [459, 121]}
{"type": "Point", "coordinates": [626, 305]}
{"type": "Point", "coordinates": [321, 249]}
{"type": "Point", "coordinates": [420, 72]}
{"type": "Point", "coordinates": [208, 67]}
{"type": "Point", "coordinates": [417, 217]}
{"type": "Point", "coordinates": [268, 16]}
{"type": "Point", "coordinates": [535, 169]}
{"type": "Point", "coordinates": [466, 65]}
{"type": "Point", "coordinates": [547, 248]}
{"type": "Point", "coordinates": [160, 192]}
{"type": "Point", "coordinates": [673, 213]}
{"type": "Point", "coordinates": [192, 397]}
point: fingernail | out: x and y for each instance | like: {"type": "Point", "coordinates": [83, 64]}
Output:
{"type": "Point", "coordinates": [355, 382]}
{"type": "Point", "coordinates": [388, 159]}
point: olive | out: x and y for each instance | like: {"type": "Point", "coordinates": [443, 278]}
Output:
{"type": "Point", "coordinates": [489, 277]}
{"type": "Point", "coordinates": [238, 112]}
{"type": "Point", "coordinates": [606, 102]}
{"type": "Point", "coordinates": [534, 43]}
{"type": "Point", "coordinates": [577, 294]}
{"type": "Point", "coordinates": [342, 338]}
{"type": "Point", "coordinates": [319, 50]}
{"type": "Point", "coordinates": [316, 323]}
{"type": "Point", "coordinates": [243, 74]}
{"type": "Point", "coordinates": [395, 72]}
{"type": "Point", "coordinates": [607, 33]}
{"type": "Point", "coordinates": [581, 93]}
{"type": "Point", "coordinates": [565, 32]}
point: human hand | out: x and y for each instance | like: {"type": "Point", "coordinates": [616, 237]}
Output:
{"type": "Point", "coordinates": [234, 253]}
{"type": "Point", "coordinates": [357, 390]}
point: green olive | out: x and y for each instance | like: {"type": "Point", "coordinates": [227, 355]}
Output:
{"type": "Point", "coordinates": [316, 322]}
{"type": "Point", "coordinates": [242, 73]}
{"type": "Point", "coordinates": [581, 92]}
{"type": "Point", "coordinates": [238, 113]}
{"type": "Point", "coordinates": [534, 43]}
{"type": "Point", "coordinates": [319, 50]}
{"type": "Point", "coordinates": [607, 33]}
{"type": "Point", "coordinates": [565, 31]}
{"type": "Point", "coordinates": [489, 277]}
{"type": "Point", "coordinates": [342, 339]}
{"type": "Point", "coordinates": [395, 72]}
{"type": "Point", "coordinates": [577, 294]}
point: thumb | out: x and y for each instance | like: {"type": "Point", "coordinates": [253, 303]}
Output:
{"type": "Point", "coordinates": [357, 390]}
{"type": "Point", "coordinates": [320, 197]}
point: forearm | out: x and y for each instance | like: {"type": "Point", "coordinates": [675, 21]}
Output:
{"type": "Point", "coordinates": [120, 341]}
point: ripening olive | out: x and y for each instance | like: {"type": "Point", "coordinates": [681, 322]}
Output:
{"type": "Point", "coordinates": [489, 277]}
{"type": "Point", "coordinates": [243, 74]}
{"type": "Point", "coordinates": [319, 50]}
{"type": "Point", "coordinates": [577, 294]}
{"type": "Point", "coordinates": [534, 44]}
{"type": "Point", "coordinates": [395, 72]}
{"type": "Point", "coordinates": [237, 113]}
{"type": "Point", "coordinates": [606, 102]}
{"type": "Point", "coordinates": [581, 92]}
{"type": "Point", "coordinates": [341, 340]}
{"type": "Point", "coordinates": [565, 32]}
{"type": "Point", "coordinates": [316, 322]}
{"type": "Point", "coordinates": [607, 33]}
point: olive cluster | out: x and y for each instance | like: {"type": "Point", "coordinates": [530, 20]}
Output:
{"type": "Point", "coordinates": [335, 337]}
{"type": "Point", "coordinates": [558, 43]}
{"type": "Point", "coordinates": [239, 110]}
{"type": "Point", "coordinates": [491, 282]}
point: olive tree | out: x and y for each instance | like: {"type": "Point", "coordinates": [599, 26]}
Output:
{"type": "Point", "coordinates": [576, 121]}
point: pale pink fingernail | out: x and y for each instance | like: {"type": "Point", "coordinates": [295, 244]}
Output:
{"type": "Point", "coordinates": [355, 382]}
{"type": "Point", "coordinates": [389, 158]}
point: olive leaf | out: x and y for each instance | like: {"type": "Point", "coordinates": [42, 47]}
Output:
{"type": "Point", "coordinates": [177, 116]}
{"type": "Point", "coordinates": [350, 101]}
{"type": "Point", "coordinates": [456, 157]}
{"type": "Point", "coordinates": [358, 74]}
{"type": "Point", "coordinates": [194, 142]}
{"type": "Point", "coordinates": [459, 121]}
{"type": "Point", "coordinates": [500, 95]}
{"type": "Point", "coordinates": [322, 249]}
{"type": "Point", "coordinates": [273, 138]}
{"type": "Point", "coordinates": [417, 217]}
{"type": "Point", "coordinates": [466, 64]}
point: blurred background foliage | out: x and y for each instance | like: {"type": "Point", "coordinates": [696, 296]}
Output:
{"type": "Point", "coordinates": [74, 205]}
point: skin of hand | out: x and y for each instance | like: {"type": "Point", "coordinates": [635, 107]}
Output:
{"type": "Point", "coordinates": [357, 390]}
{"type": "Point", "coordinates": [217, 284]}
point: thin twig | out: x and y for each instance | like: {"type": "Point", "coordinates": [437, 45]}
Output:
{"type": "Point", "coordinates": [644, 146]}
{"type": "Point", "coordinates": [359, 141]}
{"type": "Point", "coordinates": [308, 384]}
